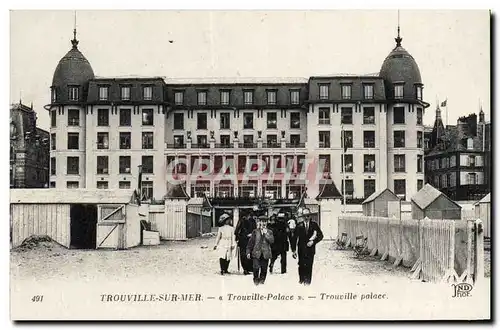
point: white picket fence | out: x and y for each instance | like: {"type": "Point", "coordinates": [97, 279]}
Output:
{"type": "Point", "coordinates": [437, 250]}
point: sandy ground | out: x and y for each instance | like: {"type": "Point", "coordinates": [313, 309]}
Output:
{"type": "Point", "coordinates": [73, 282]}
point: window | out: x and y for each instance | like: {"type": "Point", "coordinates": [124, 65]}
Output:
{"type": "Point", "coordinates": [400, 188]}
{"type": "Point", "coordinates": [248, 140]}
{"type": "Point", "coordinates": [323, 91]}
{"type": "Point", "coordinates": [324, 116]}
{"type": "Point", "coordinates": [444, 180]}
{"type": "Point", "coordinates": [420, 184]}
{"type": "Point", "coordinates": [348, 139]}
{"type": "Point", "coordinates": [125, 138]}
{"type": "Point", "coordinates": [147, 117]}
{"type": "Point", "coordinates": [53, 94]}
{"type": "Point", "coordinates": [124, 164]}
{"type": "Point", "coordinates": [146, 190]}
{"type": "Point", "coordinates": [147, 164]}
{"type": "Point", "coordinates": [324, 139]}
{"type": "Point", "coordinates": [178, 141]}
{"type": "Point", "coordinates": [102, 185]}
{"type": "Point", "coordinates": [346, 115]}
{"type": "Point", "coordinates": [225, 97]}
{"type": "Point", "coordinates": [125, 117]}
{"type": "Point", "coordinates": [369, 163]}
{"type": "Point", "coordinates": [399, 163]}
{"type": "Point", "coordinates": [73, 93]}
{"type": "Point", "coordinates": [225, 140]}
{"type": "Point", "coordinates": [470, 144]}
{"type": "Point", "coordinates": [73, 117]}
{"type": "Point", "coordinates": [471, 161]}
{"type": "Point", "coordinates": [73, 141]}
{"type": "Point", "coordinates": [225, 120]}
{"type": "Point", "coordinates": [147, 140]}
{"type": "Point", "coordinates": [472, 178]}
{"type": "Point", "coordinates": [349, 163]}
{"type": "Point", "coordinates": [295, 139]}
{"type": "Point", "coordinates": [294, 97]}
{"type": "Point", "coordinates": [102, 164]}
{"type": "Point", "coordinates": [271, 97]}
{"type": "Point", "coordinates": [324, 162]}
{"type": "Point", "coordinates": [420, 114]}
{"type": "Point", "coordinates": [272, 140]}
{"type": "Point", "coordinates": [53, 141]}
{"type": "Point", "coordinates": [124, 184]}
{"type": "Point", "coordinates": [369, 186]}
{"type": "Point", "coordinates": [202, 141]}
{"type": "Point", "coordinates": [72, 184]}
{"type": "Point", "coordinates": [420, 161]}
{"type": "Point", "coordinates": [202, 98]}
{"type": "Point", "coordinates": [125, 93]}
{"type": "Point", "coordinates": [103, 93]}
{"type": "Point", "coordinates": [102, 140]}
{"type": "Point", "coordinates": [368, 91]}
{"type": "Point", "coordinates": [398, 91]}
{"type": "Point", "coordinates": [295, 120]}
{"type": "Point", "coordinates": [147, 93]}
{"type": "Point", "coordinates": [420, 140]}
{"type": "Point", "coordinates": [419, 92]}
{"type": "Point", "coordinates": [53, 118]}
{"type": "Point", "coordinates": [346, 92]}
{"type": "Point", "coordinates": [201, 121]}
{"type": "Point", "coordinates": [453, 161]}
{"type": "Point", "coordinates": [73, 165]}
{"type": "Point", "coordinates": [248, 97]}
{"type": "Point", "coordinates": [349, 188]}
{"type": "Point", "coordinates": [452, 179]}
{"type": "Point", "coordinates": [178, 121]}
{"type": "Point", "coordinates": [369, 139]}
{"type": "Point", "coordinates": [272, 120]}
{"type": "Point", "coordinates": [369, 115]}
{"type": "Point", "coordinates": [399, 115]}
{"type": "Point", "coordinates": [399, 139]}
{"type": "Point", "coordinates": [52, 165]}
{"type": "Point", "coordinates": [102, 117]}
{"type": "Point", "coordinates": [248, 120]}
{"type": "Point", "coordinates": [179, 98]}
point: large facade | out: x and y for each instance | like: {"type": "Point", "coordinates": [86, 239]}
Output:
{"type": "Point", "coordinates": [102, 129]}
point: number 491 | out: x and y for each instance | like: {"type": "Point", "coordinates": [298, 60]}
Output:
{"type": "Point", "coordinates": [37, 299]}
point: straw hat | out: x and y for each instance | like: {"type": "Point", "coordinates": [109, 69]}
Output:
{"type": "Point", "coordinates": [223, 218]}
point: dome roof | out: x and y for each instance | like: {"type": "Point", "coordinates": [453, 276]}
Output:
{"type": "Point", "coordinates": [73, 69]}
{"type": "Point", "coordinates": [400, 67]}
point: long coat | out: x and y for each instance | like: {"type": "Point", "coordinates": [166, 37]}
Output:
{"type": "Point", "coordinates": [279, 229]}
{"type": "Point", "coordinates": [260, 245]}
{"type": "Point", "coordinates": [244, 228]}
{"type": "Point", "coordinates": [225, 242]}
{"type": "Point", "coordinates": [301, 237]}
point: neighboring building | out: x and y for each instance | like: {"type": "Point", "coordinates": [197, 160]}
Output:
{"type": "Point", "coordinates": [29, 149]}
{"type": "Point", "coordinates": [460, 158]}
{"type": "Point", "coordinates": [104, 128]}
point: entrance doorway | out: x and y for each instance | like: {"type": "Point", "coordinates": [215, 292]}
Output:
{"type": "Point", "coordinates": [83, 219]}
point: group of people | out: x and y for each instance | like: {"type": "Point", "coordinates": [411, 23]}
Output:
{"type": "Point", "coordinates": [261, 240]}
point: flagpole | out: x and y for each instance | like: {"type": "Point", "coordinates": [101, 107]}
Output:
{"type": "Point", "coordinates": [446, 106]}
{"type": "Point", "coordinates": [343, 166]}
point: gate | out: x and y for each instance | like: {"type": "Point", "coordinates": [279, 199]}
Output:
{"type": "Point", "coordinates": [198, 220]}
{"type": "Point", "coordinates": [111, 231]}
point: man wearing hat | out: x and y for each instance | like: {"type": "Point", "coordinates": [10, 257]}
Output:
{"type": "Point", "coordinates": [225, 242]}
{"type": "Point", "coordinates": [280, 245]}
{"type": "Point", "coordinates": [307, 235]}
{"type": "Point", "coordinates": [243, 231]}
{"type": "Point", "coordinates": [259, 249]}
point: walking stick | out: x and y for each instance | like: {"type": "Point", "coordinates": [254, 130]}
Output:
{"type": "Point", "coordinates": [238, 257]}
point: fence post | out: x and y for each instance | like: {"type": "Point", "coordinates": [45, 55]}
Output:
{"type": "Point", "coordinates": [479, 251]}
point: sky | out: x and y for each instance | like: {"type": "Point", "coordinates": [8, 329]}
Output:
{"type": "Point", "coordinates": [451, 48]}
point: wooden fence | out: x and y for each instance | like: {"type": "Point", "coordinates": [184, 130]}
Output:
{"type": "Point", "coordinates": [437, 250]}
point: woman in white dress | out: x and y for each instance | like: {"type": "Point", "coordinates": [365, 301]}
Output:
{"type": "Point", "coordinates": [225, 242]}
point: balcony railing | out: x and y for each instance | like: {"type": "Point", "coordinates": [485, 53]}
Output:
{"type": "Point", "coordinates": [295, 145]}
{"type": "Point", "coordinates": [176, 146]}
{"type": "Point", "coordinates": [224, 145]}
{"type": "Point", "coordinates": [200, 146]}
{"type": "Point", "coordinates": [247, 145]}
{"type": "Point", "coordinates": [369, 143]}
{"type": "Point", "coordinates": [271, 145]}
{"type": "Point", "coordinates": [324, 145]}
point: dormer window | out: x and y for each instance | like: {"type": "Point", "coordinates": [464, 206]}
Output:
{"type": "Point", "coordinates": [103, 93]}
{"type": "Point", "coordinates": [248, 97]}
{"type": "Point", "coordinates": [323, 91]}
{"type": "Point", "coordinates": [368, 91]}
{"type": "Point", "coordinates": [53, 94]}
{"type": "Point", "coordinates": [398, 91]}
{"type": "Point", "coordinates": [73, 93]}
{"type": "Point", "coordinates": [419, 92]}
{"type": "Point", "coordinates": [271, 97]}
{"type": "Point", "coordinates": [179, 98]}
{"type": "Point", "coordinates": [125, 93]}
{"type": "Point", "coordinates": [202, 98]}
{"type": "Point", "coordinates": [346, 92]}
{"type": "Point", "coordinates": [147, 93]}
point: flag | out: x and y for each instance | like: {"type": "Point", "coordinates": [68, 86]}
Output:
{"type": "Point", "coordinates": [443, 104]}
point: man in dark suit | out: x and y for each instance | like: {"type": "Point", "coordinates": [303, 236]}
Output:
{"type": "Point", "coordinates": [243, 231]}
{"type": "Point", "coordinates": [259, 249]}
{"type": "Point", "coordinates": [306, 236]}
{"type": "Point", "coordinates": [280, 245]}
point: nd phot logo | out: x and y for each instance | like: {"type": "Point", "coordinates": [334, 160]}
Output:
{"type": "Point", "coordinates": [461, 290]}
